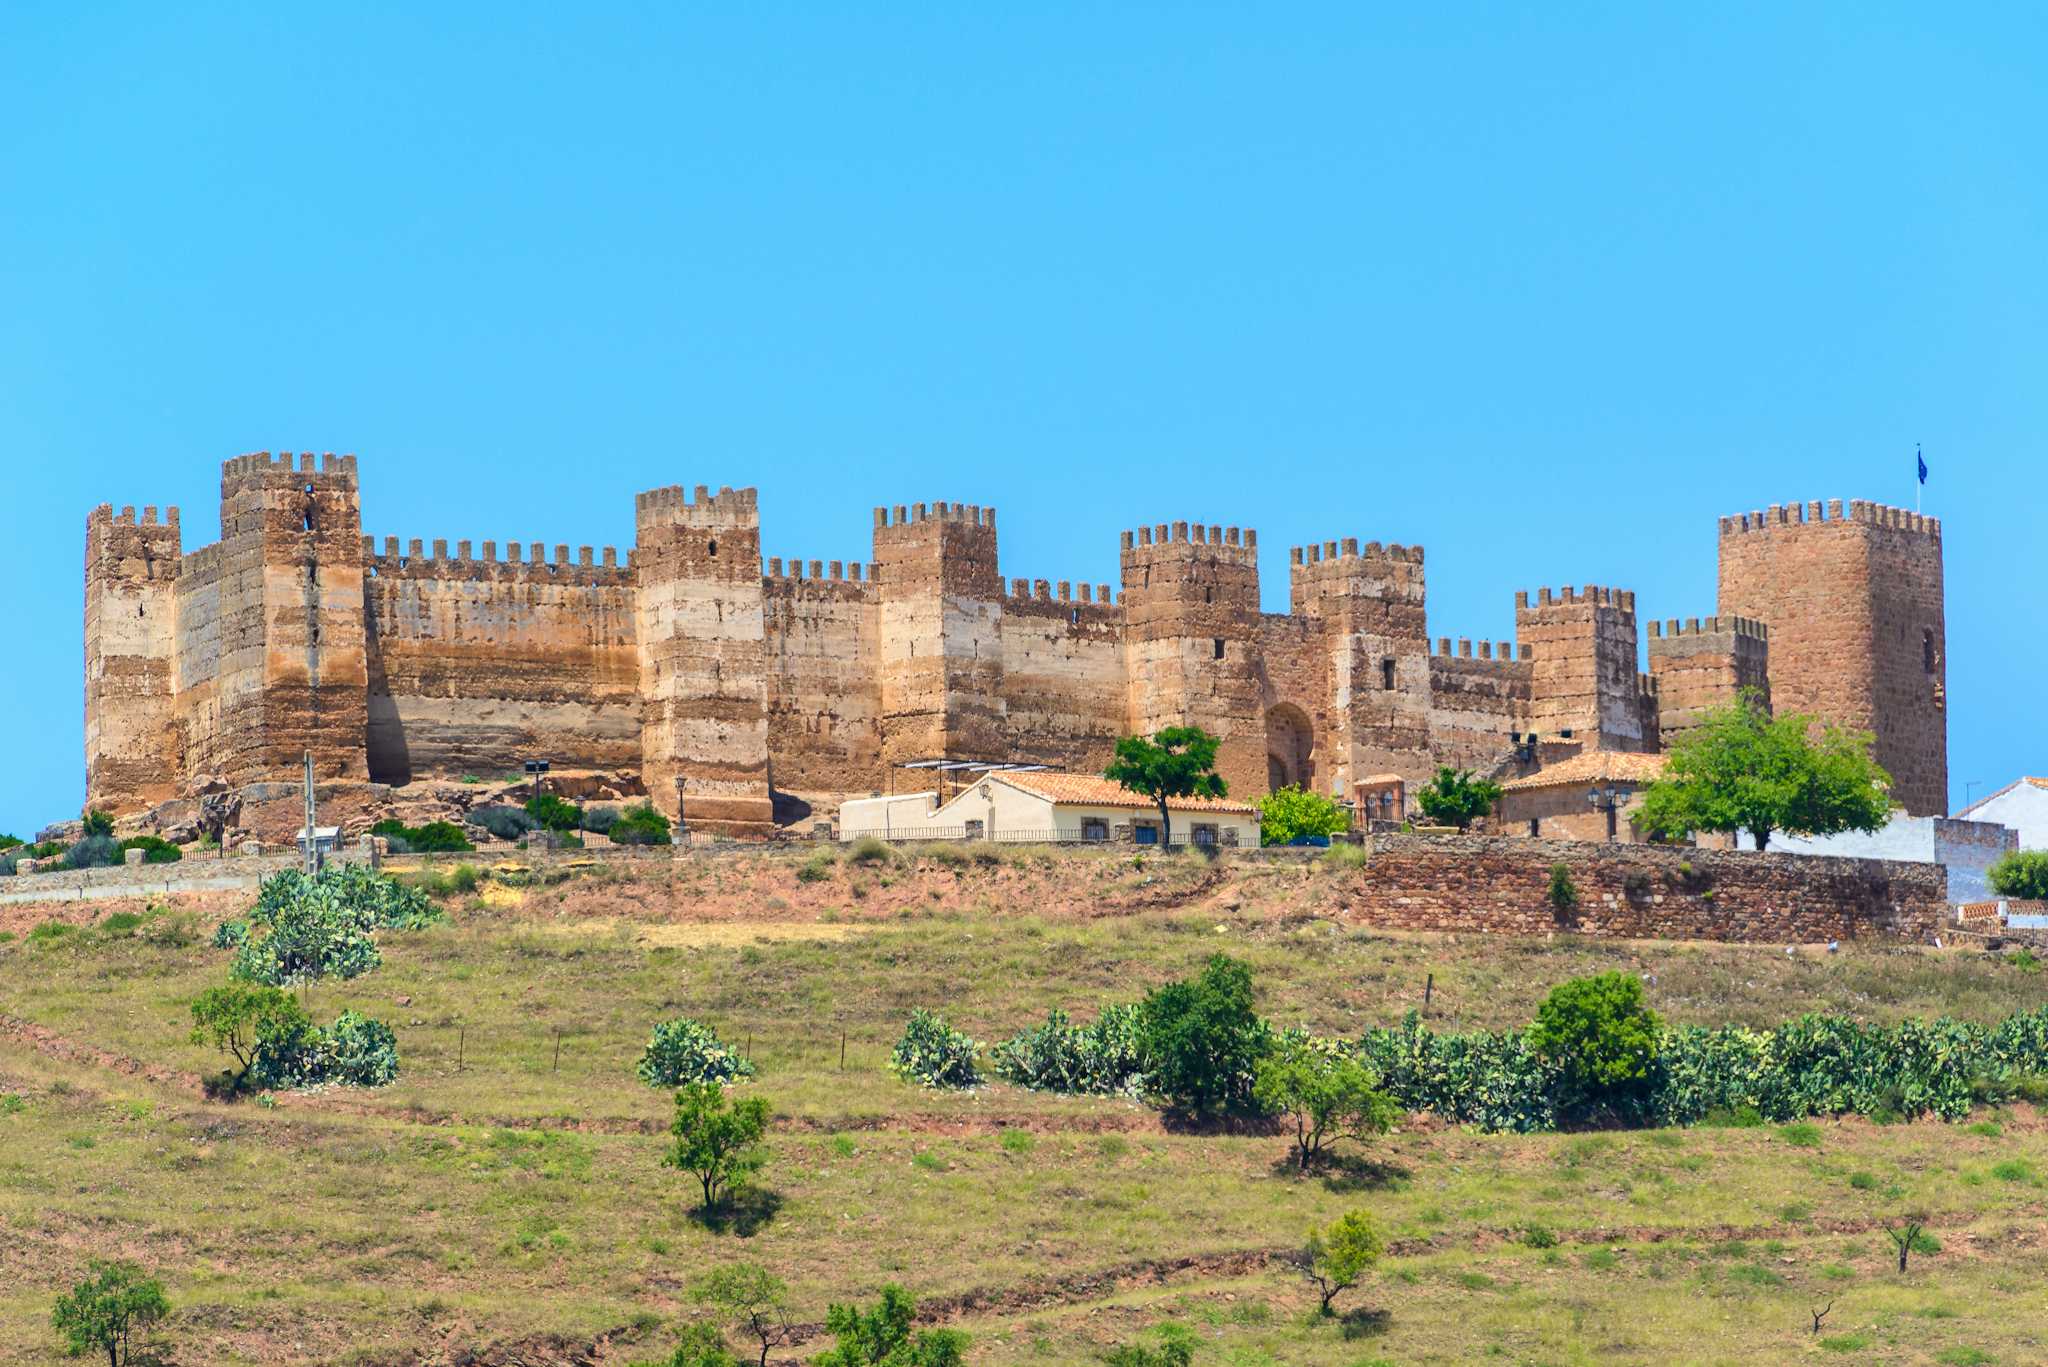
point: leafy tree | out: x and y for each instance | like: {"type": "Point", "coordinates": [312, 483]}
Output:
{"type": "Point", "coordinates": [1176, 1349]}
{"type": "Point", "coordinates": [1327, 1097]}
{"type": "Point", "coordinates": [717, 1139]}
{"type": "Point", "coordinates": [752, 1297]}
{"type": "Point", "coordinates": [2020, 873]}
{"type": "Point", "coordinates": [97, 822]}
{"type": "Point", "coordinates": [1179, 761]}
{"type": "Point", "coordinates": [640, 825]}
{"type": "Point", "coordinates": [1338, 1257]}
{"type": "Point", "coordinates": [1600, 1036]}
{"type": "Point", "coordinates": [1456, 797]}
{"type": "Point", "coordinates": [1201, 1039]}
{"type": "Point", "coordinates": [110, 1310]}
{"type": "Point", "coordinates": [233, 1017]}
{"type": "Point", "coordinates": [881, 1337]}
{"type": "Point", "coordinates": [1289, 813]}
{"type": "Point", "coordinates": [1741, 769]}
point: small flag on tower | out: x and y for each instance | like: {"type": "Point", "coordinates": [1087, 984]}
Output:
{"type": "Point", "coordinates": [1923, 464]}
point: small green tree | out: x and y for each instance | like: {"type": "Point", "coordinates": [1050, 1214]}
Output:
{"type": "Point", "coordinates": [554, 813]}
{"type": "Point", "coordinates": [236, 1015]}
{"type": "Point", "coordinates": [109, 1312]}
{"type": "Point", "coordinates": [1287, 814]}
{"type": "Point", "coordinates": [1202, 1041]}
{"type": "Point", "coordinates": [640, 825]}
{"type": "Point", "coordinates": [881, 1337]}
{"type": "Point", "coordinates": [1599, 1035]}
{"type": "Point", "coordinates": [752, 1297]}
{"type": "Point", "coordinates": [1564, 894]}
{"type": "Point", "coordinates": [97, 822]}
{"type": "Point", "coordinates": [2020, 873]}
{"type": "Point", "coordinates": [1456, 797]}
{"type": "Point", "coordinates": [716, 1139]}
{"type": "Point", "coordinates": [1179, 761]}
{"type": "Point", "coordinates": [1741, 769]}
{"type": "Point", "coordinates": [1338, 1257]}
{"type": "Point", "coordinates": [1327, 1098]}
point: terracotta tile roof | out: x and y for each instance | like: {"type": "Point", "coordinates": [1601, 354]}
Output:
{"type": "Point", "coordinates": [1591, 766]}
{"type": "Point", "coordinates": [1100, 792]}
{"type": "Point", "coordinates": [1379, 778]}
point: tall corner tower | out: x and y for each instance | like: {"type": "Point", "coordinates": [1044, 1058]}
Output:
{"type": "Point", "coordinates": [1191, 613]}
{"type": "Point", "coordinates": [701, 628]}
{"type": "Point", "coordinates": [1857, 625]}
{"type": "Point", "coordinates": [941, 633]}
{"type": "Point", "coordinates": [131, 734]}
{"type": "Point", "coordinates": [292, 673]}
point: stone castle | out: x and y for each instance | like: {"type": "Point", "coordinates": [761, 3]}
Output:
{"type": "Point", "coordinates": [719, 679]}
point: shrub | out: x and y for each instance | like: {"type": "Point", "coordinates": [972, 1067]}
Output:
{"type": "Point", "coordinates": [1201, 1040]}
{"type": "Point", "coordinates": [716, 1139]}
{"type": "Point", "coordinates": [93, 852]}
{"type": "Point", "coordinates": [554, 813]}
{"type": "Point", "coordinates": [506, 823]}
{"type": "Point", "coordinates": [439, 837]}
{"type": "Point", "coordinates": [303, 929]}
{"type": "Point", "coordinates": [112, 1311]}
{"type": "Point", "coordinates": [236, 1016]}
{"type": "Point", "coordinates": [97, 822]}
{"type": "Point", "coordinates": [1327, 1096]}
{"type": "Point", "coordinates": [685, 1050]}
{"type": "Point", "coordinates": [1336, 1258]}
{"type": "Point", "coordinates": [871, 849]}
{"type": "Point", "coordinates": [1601, 1038]}
{"type": "Point", "coordinates": [1292, 813]}
{"type": "Point", "coordinates": [9, 842]}
{"type": "Point", "coordinates": [356, 1051]}
{"type": "Point", "coordinates": [702, 1345]}
{"type": "Point", "coordinates": [155, 849]}
{"type": "Point", "coordinates": [1104, 1057]}
{"type": "Point", "coordinates": [600, 820]}
{"type": "Point", "coordinates": [8, 866]}
{"type": "Point", "coordinates": [935, 1054]}
{"type": "Point", "coordinates": [1342, 857]}
{"type": "Point", "coordinates": [2020, 873]}
{"type": "Point", "coordinates": [640, 825]}
{"type": "Point", "coordinates": [1563, 893]}
{"type": "Point", "coordinates": [1455, 797]}
{"type": "Point", "coordinates": [817, 868]}
{"type": "Point", "coordinates": [881, 1337]}
{"type": "Point", "coordinates": [1176, 1349]}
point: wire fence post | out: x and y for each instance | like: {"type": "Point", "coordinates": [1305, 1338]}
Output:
{"type": "Point", "coordinates": [558, 1049]}
{"type": "Point", "coordinates": [1428, 991]}
{"type": "Point", "coordinates": [460, 1031]}
{"type": "Point", "coordinates": [842, 1048]}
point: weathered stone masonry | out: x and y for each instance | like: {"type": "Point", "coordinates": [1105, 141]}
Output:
{"type": "Point", "coordinates": [716, 677]}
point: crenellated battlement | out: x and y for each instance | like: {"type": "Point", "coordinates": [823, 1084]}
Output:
{"type": "Point", "coordinates": [1183, 539]}
{"type": "Point", "coordinates": [673, 506]}
{"type": "Point", "coordinates": [1060, 591]}
{"type": "Point", "coordinates": [907, 515]}
{"type": "Point", "coordinates": [1708, 626]}
{"type": "Point", "coordinates": [1592, 595]}
{"type": "Point", "coordinates": [324, 471]}
{"type": "Point", "coordinates": [1335, 553]}
{"type": "Point", "coordinates": [120, 544]}
{"type": "Point", "coordinates": [821, 571]}
{"type": "Point", "coordinates": [1501, 653]}
{"type": "Point", "coordinates": [591, 565]}
{"type": "Point", "coordinates": [1779, 515]}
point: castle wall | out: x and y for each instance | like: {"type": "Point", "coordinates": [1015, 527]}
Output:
{"type": "Point", "coordinates": [197, 664]}
{"type": "Point", "coordinates": [1478, 704]}
{"type": "Point", "coordinates": [1854, 606]}
{"type": "Point", "coordinates": [1063, 674]}
{"type": "Point", "coordinates": [1702, 665]}
{"type": "Point", "coordinates": [823, 638]}
{"type": "Point", "coordinates": [477, 665]}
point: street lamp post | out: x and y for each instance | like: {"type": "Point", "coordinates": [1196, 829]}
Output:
{"type": "Point", "coordinates": [1608, 800]}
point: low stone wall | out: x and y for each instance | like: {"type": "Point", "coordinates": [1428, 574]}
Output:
{"type": "Point", "coordinates": [1501, 886]}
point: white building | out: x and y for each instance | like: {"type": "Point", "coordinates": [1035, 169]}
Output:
{"type": "Point", "coordinates": [1967, 848]}
{"type": "Point", "coordinates": [2021, 804]}
{"type": "Point", "coordinates": [1041, 806]}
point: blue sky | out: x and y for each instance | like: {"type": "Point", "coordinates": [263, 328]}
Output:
{"type": "Point", "coordinates": [1545, 291]}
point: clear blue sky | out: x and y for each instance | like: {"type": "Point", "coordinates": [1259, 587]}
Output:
{"type": "Point", "coordinates": [1546, 292]}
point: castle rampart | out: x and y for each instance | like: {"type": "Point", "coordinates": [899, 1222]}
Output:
{"type": "Point", "coordinates": [713, 677]}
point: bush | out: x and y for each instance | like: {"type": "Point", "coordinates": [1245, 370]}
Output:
{"type": "Point", "coordinates": [600, 820]}
{"type": "Point", "coordinates": [1601, 1038]}
{"type": "Point", "coordinates": [8, 866]}
{"type": "Point", "coordinates": [1455, 797]}
{"type": "Point", "coordinates": [1563, 894]}
{"type": "Point", "coordinates": [1201, 1040]}
{"type": "Point", "coordinates": [640, 825]}
{"type": "Point", "coordinates": [881, 1337]}
{"type": "Point", "coordinates": [155, 849]}
{"type": "Point", "coordinates": [935, 1054]}
{"type": "Point", "coordinates": [97, 822]}
{"type": "Point", "coordinates": [236, 1017]}
{"type": "Point", "coordinates": [356, 1051]}
{"type": "Point", "coordinates": [9, 842]}
{"type": "Point", "coordinates": [1176, 1349]}
{"type": "Point", "coordinates": [1292, 813]}
{"type": "Point", "coordinates": [685, 1050]}
{"type": "Point", "coordinates": [1101, 1058]}
{"type": "Point", "coordinates": [2020, 873]}
{"type": "Point", "coordinates": [1344, 857]}
{"type": "Point", "coordinates": [817, 868]}
{"type": "Point", "coordinates": [554, 813]}
{"type": "Point", "coordinates": [93, 852]}
{"type": "Point", "coordinates": [303, 929]}
{"type": "Point", "coordinates": [506, 823]}
{"type": "Point", "coordinates": [436, 837]}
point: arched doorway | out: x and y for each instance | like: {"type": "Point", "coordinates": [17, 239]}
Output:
{"type": "Point", "coordinates": [1290, 748]}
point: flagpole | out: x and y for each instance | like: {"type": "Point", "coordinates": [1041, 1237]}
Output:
{"type": "Point", "coordinates": [1919, 480]}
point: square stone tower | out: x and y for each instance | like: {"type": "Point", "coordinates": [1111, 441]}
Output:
{"type": "Point", "coordinates": [1581, 646]}
{"type": "Point", "coordinates": [132, 749]}
{"type": "Point", "coordinates": [1854, 606]}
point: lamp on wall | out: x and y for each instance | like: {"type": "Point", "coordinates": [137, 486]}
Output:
{"type": "Point", "coordinates": [1608, 800]}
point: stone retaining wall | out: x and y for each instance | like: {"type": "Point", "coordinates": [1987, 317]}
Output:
{"type": "Point", "coordinates": [1501, 886]}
